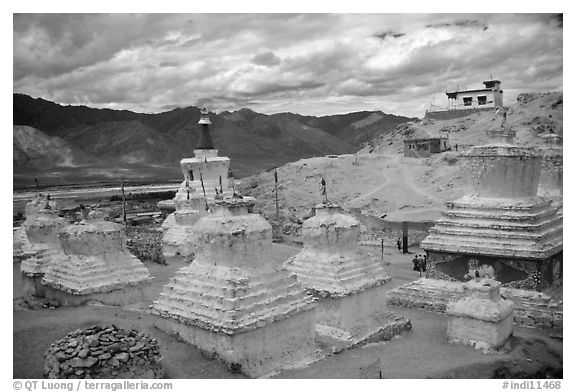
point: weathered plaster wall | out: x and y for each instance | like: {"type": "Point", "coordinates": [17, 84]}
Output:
{"type": "Point", "coordinates": [501, 171]}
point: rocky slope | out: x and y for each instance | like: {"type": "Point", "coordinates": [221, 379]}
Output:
{"type": "Point", "coordinates": [33, 150]}
{"type": "Point", "coordinates": [379, 180]}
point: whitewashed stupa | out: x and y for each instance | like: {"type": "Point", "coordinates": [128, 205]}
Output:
{"type": "Point", "coordinates": [481, 318]}
{"type": "Point", "coordinates": [41, 232]}
{"type": "Point", "coordinates": [178, 240]}
{"type": "Point", "coordinates": [501, 225]}
{"type": "Point", "coordinates": [236, 300]}
{"type": "Point", "coordinates": [205, 178]}
{"type": "Point", "coordinates": [349, 284]}
{"type": "Point", "coordinates": [21, 247]}
{"type": "Point", "coordinates": [95, 264]}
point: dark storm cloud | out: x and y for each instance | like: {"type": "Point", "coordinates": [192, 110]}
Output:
{"type": "Point", "coordinates": [266, 58]}
{"type": "Point", "coordinates": [279, 62]}
{"type": "Point", "coordinates": [460, 23]}
{"type": "Point", "coordinates": [169, 64]}
{"type": "Point", "coordinates": [558, 19]}
{"type": "Point", "coordinates": [382, 35]}
{"type": "Point", "coordinates": [52, 44]}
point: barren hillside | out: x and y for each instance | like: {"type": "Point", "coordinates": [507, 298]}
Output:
{"type": "Point", "coordinates": [380, 180]}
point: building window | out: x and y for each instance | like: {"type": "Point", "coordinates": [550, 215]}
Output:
{"type": "Point", "coordinates": [481, 100]}
{"type": "Point", "coordinates": [467, 101]}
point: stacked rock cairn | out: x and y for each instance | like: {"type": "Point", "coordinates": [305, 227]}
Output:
{"type": "Point", "coordinates": [104, 352]}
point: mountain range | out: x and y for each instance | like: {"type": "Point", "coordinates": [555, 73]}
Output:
{"type": "Point", "coordinates": [77, 144]}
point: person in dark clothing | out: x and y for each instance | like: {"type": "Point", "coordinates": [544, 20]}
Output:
{"type": "Point", "coordinates": [399, 244]}
{"type": "Point", "coordinates": [415, 262]}
{"type": "Point", "coordinates": [421, 265]}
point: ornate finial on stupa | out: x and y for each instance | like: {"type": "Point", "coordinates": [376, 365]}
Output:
{"type": "Point", "coordinates": [204, 119]}
{"type": "Point", "coordinates": [205, 142]}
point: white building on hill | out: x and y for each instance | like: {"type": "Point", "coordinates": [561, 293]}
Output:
{"type": "Point", "coordinates": [488, 97]}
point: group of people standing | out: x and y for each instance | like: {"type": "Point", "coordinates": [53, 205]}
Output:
{"type": "Point", "coordinates": [419, 262]}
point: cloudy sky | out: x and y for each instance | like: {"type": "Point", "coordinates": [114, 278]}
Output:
{"type": "Point", "coordinates": [315, 64]}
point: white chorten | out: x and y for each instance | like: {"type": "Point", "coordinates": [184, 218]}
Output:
{"type": "Point", "coordinates": [205, 178]}
{"type": "Point", "coordinates": [235, 300]}
{"type": "Point", "coordinates": [95, 264]}
{"type": "Point", "coordinates": [482, 318]}
{"type": "Point", "coordinates": [349, 284]}
{"type": "Point", "coordinates": [21, 244]}
{"type": "Point", "coordinates": [501, 222]}
{"type": "Point", "coordinates": [41, 229]}
{"type": "Point", "coordinates": [206, 172]}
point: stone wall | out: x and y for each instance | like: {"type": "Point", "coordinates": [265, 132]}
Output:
{"type": "Point", "coordinates": [532, 309]}
{"type": "Point", "coordinates": [551, 177]}
{"type": "Point", "coordinates": [498, 171]}
{"type": "Point", "coordinates": [451, 114]}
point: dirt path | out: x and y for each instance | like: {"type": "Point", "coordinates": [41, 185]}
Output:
{"type": "Point", "coordinates": [402, 179]}
{"type": "Point", "coordinates": [385, 181]}
{"type": "Point", "coordinates": [409, 182]}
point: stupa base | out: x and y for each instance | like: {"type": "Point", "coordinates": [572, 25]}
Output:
{"type": "Point", "coordinates": [20, 246]}
{"type": "Point", "coordinates": [32, 285]}
{"type": "Point", "coordinates": [527, 274]}
{"type": "Point", "coordinates": [355, 319]}
{"type": "Point", "coordinates": [533, 309]}
{"type": "Point", "coordinates": [116, 297]}
{"type": "Point", "coordinates": [482, 318]}
{"type": "Point", "coordinates": [261, 352]}
{"type": "Point", "coordinates": [483, 335]}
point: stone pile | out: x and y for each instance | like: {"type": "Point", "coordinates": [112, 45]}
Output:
{"type": "Point", "coordinates": [348, 284]}
{"type": "Point", "coordinates": [145, 243]}
{"type": "Point", "coordinates": [235, 300]}
{"type": "Point", "coordinates": [104, 352]}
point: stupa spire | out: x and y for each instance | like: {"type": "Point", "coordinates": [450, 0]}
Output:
{"type": "Point", "coordinates": [205, 142]}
